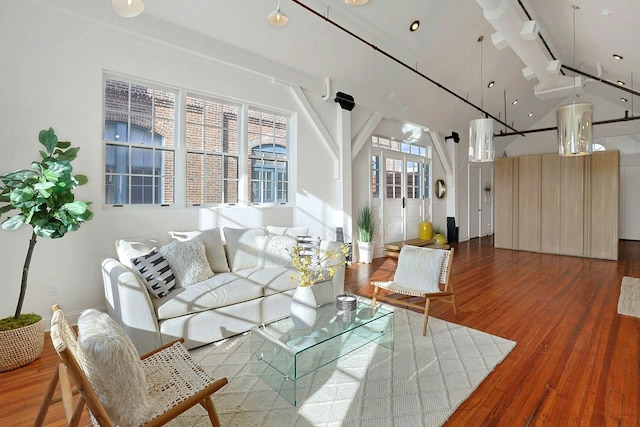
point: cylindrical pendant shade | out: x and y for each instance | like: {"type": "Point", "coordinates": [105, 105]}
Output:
{"type": "Point", "coordinates": [127, 8]}
{"type": "Point", "coordinates": [481, 140]}
{"type": "Point", "coordinates": [277, 18]}
{"type": "Point", "coordinates": [574, 129]}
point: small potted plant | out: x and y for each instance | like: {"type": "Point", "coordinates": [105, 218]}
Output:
{"type": "Point", "coordinates": [43, 198]}
{"type": "Point", "coordinates": [366, 229]}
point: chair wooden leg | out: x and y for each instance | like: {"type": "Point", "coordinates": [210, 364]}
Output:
{"type": "Point", "coordinates": [426, 316]}
{"type": "Point", "coordinates": [453, 297]}
{"type": "Point", "coordinates": [374, 299]}
{"type": "Point", "coordinates": [53, 383]}
{"type": "Point", "coordinates": [211, 410]}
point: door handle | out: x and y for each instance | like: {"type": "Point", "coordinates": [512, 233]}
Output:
{"type": "Point", "coordinates": [404, 203]}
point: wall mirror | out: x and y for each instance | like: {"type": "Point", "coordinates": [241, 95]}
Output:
{"type": "Point", "coordinates": [441, 189]}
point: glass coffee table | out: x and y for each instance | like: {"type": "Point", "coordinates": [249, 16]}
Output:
{"type": "Point", "coordinates": [286, 350]}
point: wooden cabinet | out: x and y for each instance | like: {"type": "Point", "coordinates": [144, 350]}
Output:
{"type": "Point", "coordinates": [560, 205]}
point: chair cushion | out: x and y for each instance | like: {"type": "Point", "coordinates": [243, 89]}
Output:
{"type": "Point", "coordinates": [188, 261]}
{"type": "Point", "coordinates": [241, 248]}
{"type": "Point", "coordinates": [113, 368]}
{"type": "Point", "coordinates": [156, 273]}
{"type": "Point", "coordinates": [213, 246]}
{"type": "Point", "coordinates": [419, 268]}
{"type": "Point", "coordinates": [275, 251]}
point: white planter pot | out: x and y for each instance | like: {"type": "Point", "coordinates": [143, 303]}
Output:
{"type": "Point", "coordinates": [365, 252]}
{"type": "Point", "coordinates": [305, 301]}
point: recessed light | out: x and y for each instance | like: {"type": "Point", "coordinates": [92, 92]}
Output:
{"type": "Point", "coordinates": [491, 83]}
{"type": "Point", "coordinates": [414, 25]}
{"type": "Point", "coordinates": [623, 99]}
{"type": "Point", "coordinates": [515, 101]}
{"type": "Point", "coordinates": [620, 83]}
{"type": "Point", "coordinates": [530, 114]}
{"type": "Point", "coordinates": [618, 57]}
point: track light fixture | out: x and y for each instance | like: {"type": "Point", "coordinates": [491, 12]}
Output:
{"type": "Point", "coordinates": [127, 8]}
{"type": "Point", "coordinates": [277, 18]}
{"type": "Point", "coordinates": [454, 135]}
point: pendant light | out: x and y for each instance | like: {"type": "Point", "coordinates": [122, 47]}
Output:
{"type": "Point", "coordinates": [481, 130]}
{"type": "Point", "coordinates": [575, 120]}
{"type": "Point", "coordinates": [127, 8]}
{"type": "Point", "coordinates": [277, 18]}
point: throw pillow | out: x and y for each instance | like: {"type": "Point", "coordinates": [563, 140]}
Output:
{"type": "Point", "coordinates": [275, 251]}
{"type": "Point", "coordinates": [156, 273]}
{"type": "Point", "coordinates": [419, 268]}
{"type": "Point", "coordinates": [113, 367]}
{"type": "Point", "coordinates": [310, 245]}
{"type": "Point", "coordinates": [133, 248]}
{"type": "Point", "coordinates": [241, 248]}
{"type": "Point", "coordinates": [213, 246]}
{"type": "Point", "coordinates": [188, 261]}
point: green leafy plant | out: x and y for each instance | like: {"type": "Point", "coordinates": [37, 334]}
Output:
{"type": "Point", "coordinates": [43, 197]}
{"type": "Point", "coordinates": [366, 224]}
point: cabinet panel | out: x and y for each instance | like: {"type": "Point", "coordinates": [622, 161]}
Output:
{"type": "Point", "coordinates": [572, 205]}
{"type": "Point", "coordinates": [604, 196]}
{"type": "Point", "coordinates": [549, 204]}
{"type": "Point", "coordinates": [529, 203]}
{"type": "Point", "coordinates": [504, 203]}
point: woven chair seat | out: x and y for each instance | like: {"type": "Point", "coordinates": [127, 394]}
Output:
{"type": "Point", "coordinates": [399, 289]}
{"type": "Point", "coordinates": [173, 376]}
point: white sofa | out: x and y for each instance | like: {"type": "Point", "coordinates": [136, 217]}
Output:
{"type": "Point", "coordinates": [250, 285]}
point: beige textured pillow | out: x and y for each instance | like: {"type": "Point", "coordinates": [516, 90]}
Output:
{"type": "Point", "coordinates": [113, 368]}
{"type": "Point", "coordinates": [213, 246]}
{"type": "Point", "coordinates": [419, 268]}
{"type": "Point", "coordinates": [275, 251]}
{"type": "Point", "coordinates": [188, 261]}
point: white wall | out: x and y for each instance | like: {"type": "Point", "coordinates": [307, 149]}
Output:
{"type": "Point", "coordinates": [52, 64]}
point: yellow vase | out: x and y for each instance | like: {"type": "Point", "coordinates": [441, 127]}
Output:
{"type": "Point", "coordinates": [426, 231]}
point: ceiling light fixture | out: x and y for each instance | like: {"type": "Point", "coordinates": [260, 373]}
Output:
{"type": "Point", "coordinates": [481, 130]}
{"type": "Point", "coordinates": [530, 114]}
{"type": "Point", "coordinates": [618, 57]}
{"type": "Point", "coordinates": [356, 2]}
{"type": "Point", "coordinates": [414, 25]}
{"type": "Point", "coordinates": [515, 101]}
{"type": "Point", "coordinates": [575, 120]}
{"type": "Point", "coordinates": [277, 18]}
{"type": "Point", "coordinates": [623, 99]}
{"type": "Point", "coordinates": [491, 83]}
{"type": "Point", "coordinates": [620, 83]}
{"type": "Point", "coordinates": [127, 8]}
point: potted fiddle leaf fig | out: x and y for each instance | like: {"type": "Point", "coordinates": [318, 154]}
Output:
{"type": "Point", "coordinates": [41, 197]}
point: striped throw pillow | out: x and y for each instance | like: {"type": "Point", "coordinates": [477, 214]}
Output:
{"type": "Point", "coordinates": [156, 273]}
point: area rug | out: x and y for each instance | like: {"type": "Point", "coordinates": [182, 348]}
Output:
{"type": "Point", "coordinates": [420, 383]}
{"type": "Point", "coordinates": [629, 300]}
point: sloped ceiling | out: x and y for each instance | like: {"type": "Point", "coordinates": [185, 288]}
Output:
{"type": "Point", "coordinates": [444, 48]}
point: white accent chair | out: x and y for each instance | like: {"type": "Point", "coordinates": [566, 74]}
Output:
{"type": "Point", "coordinates": [422, 274]}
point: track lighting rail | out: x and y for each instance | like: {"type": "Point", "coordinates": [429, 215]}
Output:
{"type": "Point", "coordinates": [626, 118]}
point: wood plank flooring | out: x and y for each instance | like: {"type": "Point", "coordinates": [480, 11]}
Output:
{"type": "Point", "coordinates": [577, 361]}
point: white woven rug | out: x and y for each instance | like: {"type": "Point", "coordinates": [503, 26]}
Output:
{"type": "Point", "coordinates": [629, 300]}
{"type": "Point", "coordinates": [420, 383]}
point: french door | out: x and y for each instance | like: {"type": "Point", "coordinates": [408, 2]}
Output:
{"type": "Point", "coordinates": [404, 204]}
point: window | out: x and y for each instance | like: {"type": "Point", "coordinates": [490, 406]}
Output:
{"type": "Point", "coordinates": [221, 144]}
{"type": "Point", "coordinates": [375, 176]}
{"type": "Point", "coordinates": [268, 136]}
{"type": "Point", "coordinates": [212, 151]}
{"type": "Point", "coordinates": [139, 144]}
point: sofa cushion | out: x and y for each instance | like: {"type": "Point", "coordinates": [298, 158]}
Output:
{"type": "Point", "coordinates": [156, 273]}
{"type": "Point", "coordinates": [213, 246]}
{"type": "Point", "coordinates": [133, 248]}
{"type": "Point", "coordinates": [287, 231]}
{"type": "Point", "coordinates": [188, 261]}
{"type": "Point", "coordinates": [218, 291]}
{"type": "Point", "coordinates": [275, 251]}
{"type": "Point", "coordinates": [242, 252]}
{"type": "Point", "coordinates": [273, 280]}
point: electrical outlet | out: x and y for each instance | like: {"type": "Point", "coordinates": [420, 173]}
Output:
{"type": "Point", "coordinates": [53, 289]}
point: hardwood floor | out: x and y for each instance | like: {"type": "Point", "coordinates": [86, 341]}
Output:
{"type": "Point", "coordinates": [576, 362]}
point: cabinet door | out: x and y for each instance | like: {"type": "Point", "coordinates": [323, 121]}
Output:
{"type": "Point", "coordinates": [572, 206]}
{"type": "Point", "coordinates": [604, 195]}
{"type": "Point", "coordinates": [550, 204]}
{"type": "Point", "coordinates": [529, 203]}
{"type": "Point", "coordinates": [504, 202]}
